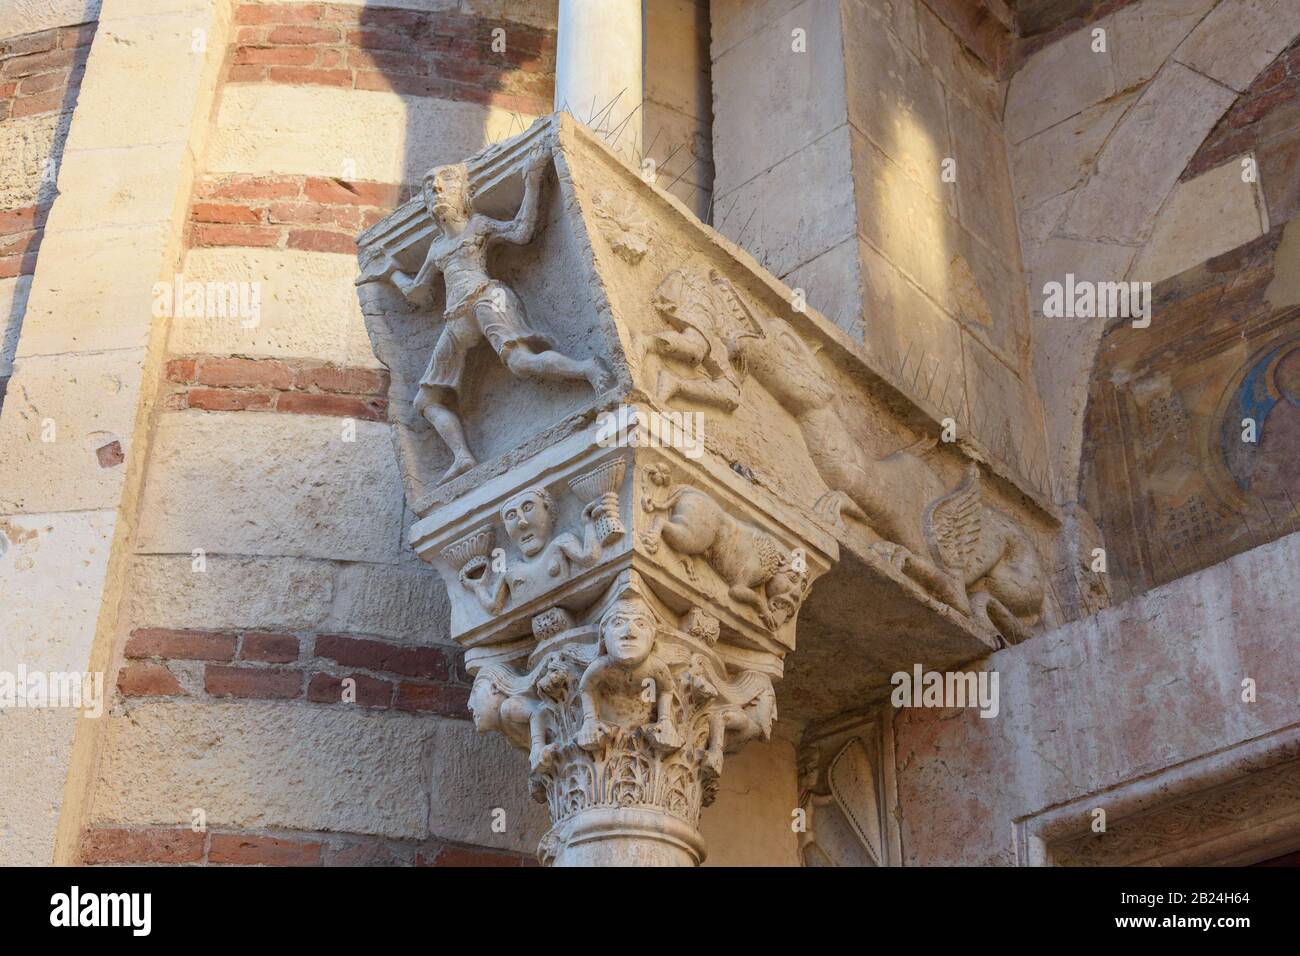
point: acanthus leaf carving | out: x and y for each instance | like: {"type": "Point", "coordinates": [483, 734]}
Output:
{"type": "Point", "coordinates": [628, 710]}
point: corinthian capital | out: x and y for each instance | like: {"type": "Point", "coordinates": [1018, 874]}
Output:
{"type": "Point", "coordinates": [626, 715]}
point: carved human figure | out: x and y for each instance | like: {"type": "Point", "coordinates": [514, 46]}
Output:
{"type": "Point", "coordinates": [738, 711]}
{"type": "Point", "coordinates": [478, 307]}
{"type": "Point", "coordinates": [522, 707]}
{"type": "Point", "coordinates": [628, 666]}
{"type": "Point", "coordinates": [544, 561]}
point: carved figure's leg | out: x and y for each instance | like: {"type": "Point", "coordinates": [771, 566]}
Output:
{"type": "Point", "coordinates": [551, 365]}
{"type": "Point", "coordinates": [593, 733]}
{"type": "Point", "coordinates": [447, 424]}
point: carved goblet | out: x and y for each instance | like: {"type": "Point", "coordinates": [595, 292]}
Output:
{"type": "Point", "coordinates": [592, 486]}
{"type": "Point", "coordinates": [469, 555]}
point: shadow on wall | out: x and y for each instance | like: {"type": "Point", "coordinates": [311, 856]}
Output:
{"type": "Point", "coordinates": [465, 80]}
{"type": "Point", "coordinates": [40, 79]}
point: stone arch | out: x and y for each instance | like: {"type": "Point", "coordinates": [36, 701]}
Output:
{"type": "Point", "coordinates": [1162, 98]}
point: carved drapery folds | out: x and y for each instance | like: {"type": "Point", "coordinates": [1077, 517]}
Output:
{"type": "Point", "coordinates": [626, 600]}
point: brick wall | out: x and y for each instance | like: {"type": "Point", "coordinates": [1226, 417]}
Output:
{"type": "Point", "coordinates": [40, 76]}
{"type": "Point", "coordinates": [287, 212]}
{"type": "Point", "coordinates": [39, 73]}
{"type": "Point", "coordinates": [262, 665]}
{"type": "Point", "coordinates": [217, 383]}
{"type": "Point", "coordinates": [445, 54]}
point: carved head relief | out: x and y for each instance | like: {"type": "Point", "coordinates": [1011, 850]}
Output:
{"type": "Point", "coordinates": [485, 700]}
{"type": "Point", "coordinates": [786, 591]}
{"type": "Point", "coordinates": [627, 631]}
{"type": "Point", "coordinates": [529, 520]}
{"type": "Point", "coordinates": [446, 192]}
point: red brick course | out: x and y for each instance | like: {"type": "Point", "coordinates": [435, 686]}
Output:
{"type": "Point", "coordinates": [189, 645]}
{"type": "Point", "coordinates": [445, 54]}
{"type": "Point", "coordinates": [262, 851]}
{"type": "Point", "coordinates": [217, 383]}
{"type": "Point", "coordinates": [147, 680]}
{"type": "Point", "coordinates": [257, 683]}
{"type": "Point", "coordinates": [102, 845]}
{"type": "Point", "coordinates": [42, 72]}
{"type": "Point", "coordinates": [287, 212]}
{"type": "Point", "coordinates": [21, 231]}
{"type": "Point", "coordinates": [386, 675]}
{"type": "Point", "coordinates": [269, 648]}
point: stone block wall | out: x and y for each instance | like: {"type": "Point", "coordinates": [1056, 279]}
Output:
{"type": "Point", "coordinates": [870, 172]}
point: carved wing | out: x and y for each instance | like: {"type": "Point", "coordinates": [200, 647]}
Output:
{"type": "Point", "coordinates": [738, 309]}
{"type": "Point", "coordinates": [952, 524]}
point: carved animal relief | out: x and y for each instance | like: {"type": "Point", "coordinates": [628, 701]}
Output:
{"type": "Point", "coordinates": [964, 553]}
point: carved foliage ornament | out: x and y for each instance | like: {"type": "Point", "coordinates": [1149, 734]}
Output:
{"type": "Point", "coordinates": [631, 709]}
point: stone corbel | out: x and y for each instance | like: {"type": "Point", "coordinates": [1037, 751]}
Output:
{"type": "Point", "coordinates": [627, 599]}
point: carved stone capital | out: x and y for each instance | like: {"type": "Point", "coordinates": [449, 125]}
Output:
{"type": "Point", "coordinates": [626, 713]}
{"type": "Point", "coordinates": [625, 611]}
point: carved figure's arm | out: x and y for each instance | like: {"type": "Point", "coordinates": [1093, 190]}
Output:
{"type": "Point", "coordinates": [523, 227]}
{"type": "Point", "coordinates": [588, 553]}
{"type": "Point", "coordinates": [491, 596]}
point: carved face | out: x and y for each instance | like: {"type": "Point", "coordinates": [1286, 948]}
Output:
{"type": "Point", "coordinates": [628, 632]}
{"type": "Point", "coordinates": [446, 193]}
{"type": "Point", "coordinates": [529, 520]}
{"type": "Point", "coordinates": [485, 702]}
{"type": "Point", "coordinates": [785, 593]}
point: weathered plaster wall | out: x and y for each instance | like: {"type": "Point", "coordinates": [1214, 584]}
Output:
{"type": "Point", "coordinates": [1104, 702]}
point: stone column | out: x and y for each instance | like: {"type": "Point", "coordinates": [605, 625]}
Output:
{"type": "Point", "coordinates": [599, 66]}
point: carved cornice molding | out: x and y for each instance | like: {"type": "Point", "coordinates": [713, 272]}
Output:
{"type": "Point", "coordinates": [1233, 807]}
